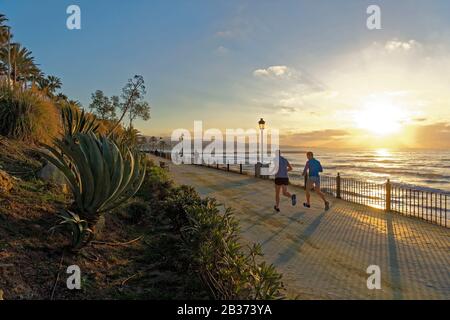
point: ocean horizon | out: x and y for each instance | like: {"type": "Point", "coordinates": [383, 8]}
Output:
{"type": "Point", "coordinates": [427, 170]}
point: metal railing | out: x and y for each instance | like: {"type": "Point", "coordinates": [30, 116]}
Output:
{"type": "Point", "coordinates": [427, 205]}
{"type": "Point", "coordinates": [431, 206]}
{"type": "Point", "coordinates": [356, 191]}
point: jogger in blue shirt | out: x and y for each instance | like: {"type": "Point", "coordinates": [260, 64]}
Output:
{"type": "Point", "coordinates": [311, 171]}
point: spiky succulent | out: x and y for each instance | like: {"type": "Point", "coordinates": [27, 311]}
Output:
{"type": "Point", "coordinates": [101, 174]}
{"type": "Point", "coordinates": [78, 228]}
{"type": "Point", "coordinates": [75, 121]}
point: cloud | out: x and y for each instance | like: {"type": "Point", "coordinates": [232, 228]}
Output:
{"type": "Point", "coordinates": [286, 90]}
{"type": "Point", "coordinates": [397, 45]}
{"type": "Point", "coordinates": [288, 109]}
{"type": "Point", "coordinates": [300, 79]}
{"type": "Point", "coordinates": [315, 138]}
{"type": "Point", "coordinates": [432, 136]}
{"type": "Point", "coordinates": [436, 135]}
{"type": "Point", "coordinates": [322, 134]}
{"type": "Point", "coordinates": [273, 72]}
{"type": "Point", "coordinates": [222, 51]}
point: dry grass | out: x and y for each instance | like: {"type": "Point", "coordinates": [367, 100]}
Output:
{"type": "Point", "coordinates": [27, 115]}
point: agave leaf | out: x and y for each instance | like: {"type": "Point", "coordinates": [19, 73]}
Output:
{"type": "Point", "coordinates": [70, 178]}
{"type": "Point", "coordinates": [134, 187]}
{"type": "Point", "coordinates": [108, 161]}
{"type": "Point", "coordinates": [126, 177]}
{"type": "Point", "coordinates": [119, 178]}
{"type": "Point", "coordinates": [95, 160]}
{"type": "Point", "coordinates": [101, 177]}
{"type": "Point", "coordinates": [74, 151]}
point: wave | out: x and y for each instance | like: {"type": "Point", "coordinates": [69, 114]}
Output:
{"type": "Point", "coordinates": [418, 170]}
{"type": "Point", "coordinates": [423, 188]}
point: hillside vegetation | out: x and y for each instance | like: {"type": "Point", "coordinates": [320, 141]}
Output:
{"type": "Point", "coordinates": [75, 189]}
{"type": "Point", "coordinates": [145, 250]}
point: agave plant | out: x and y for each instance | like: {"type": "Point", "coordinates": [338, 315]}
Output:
{"type": "Point", "coordinates": [75, 121]}
{"type": "Point", "coordinates": [100, 173]}
{"type": "Point", "coordinates": [79, 229]}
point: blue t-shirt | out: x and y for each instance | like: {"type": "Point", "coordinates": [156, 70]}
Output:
{"type": "Point", "coordinates": [314, 167]}
{"type": "Point", "coordinates": [282, 168]}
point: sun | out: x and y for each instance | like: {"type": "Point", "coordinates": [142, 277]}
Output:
{"type": "Point", "coordinates": [380, 117]}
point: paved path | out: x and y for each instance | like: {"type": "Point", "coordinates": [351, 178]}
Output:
{"type": "Point", "coordinates": [325, 255]}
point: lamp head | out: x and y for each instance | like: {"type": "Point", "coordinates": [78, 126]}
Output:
{"type": "Point", "coordinates": [261, 124]}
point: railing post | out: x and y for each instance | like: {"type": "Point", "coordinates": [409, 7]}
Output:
{"type": "Point", "coordinates": [258, 170]}
{"type": "Point", "coordinates": [240, 168]}
{"type": "Point", "coordinates": [388, 195]}
{"type": "Point", "coordinates": [338, 186]}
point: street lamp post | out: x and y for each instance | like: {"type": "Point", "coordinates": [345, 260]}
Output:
{"type": "Point", "coordinates": [182, 148]}
{"type": "Point", "coordinates": [262, 125]}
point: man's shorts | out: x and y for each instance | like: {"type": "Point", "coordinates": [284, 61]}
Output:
{"type": "Point", "coordinates": [313, 182]}
{"type": "Point", "coordinates": [282, 181]}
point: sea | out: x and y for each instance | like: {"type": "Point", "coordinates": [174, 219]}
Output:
{"type": "Point", "coordinates": [427, 170]}
{"type": "Point", "coordinates": [423, 170]}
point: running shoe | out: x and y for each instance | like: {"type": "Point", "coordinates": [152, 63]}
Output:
{"type": "Point", "coordinates": [294, 199]}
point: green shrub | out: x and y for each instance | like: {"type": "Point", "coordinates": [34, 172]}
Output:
{"type": "Point", "coordinates": [27, 115]}
{"type": "Point", "coordinates": [204, 241]}
{"type": "Point", "coordinates": [176, 205]}
{"type": "Point", "coordinates": [156, 185]}
{"type": "Point", "coordinates": [136, 211]}
{"type": "Point", "coordinates": [211, 239]}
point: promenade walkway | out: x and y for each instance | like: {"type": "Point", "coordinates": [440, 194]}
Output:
{"type": "Point", "coordinates": [324, 255]}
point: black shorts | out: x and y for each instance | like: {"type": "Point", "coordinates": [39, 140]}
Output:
{"type": "Point", "coordinates": [282, 181]}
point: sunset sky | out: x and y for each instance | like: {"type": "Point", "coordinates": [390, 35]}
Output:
{"type": "Point", "coordinates": [311, 69]}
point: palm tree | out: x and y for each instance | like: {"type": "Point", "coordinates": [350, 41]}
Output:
{"type": "Point", "coordinates": [62, 97]}
{"type": "Point", "coordinates": [75, 103]}
{"type": "Point", "coordinates": [3, 31]}
{"type": "Point", "coordinates": [23, 67]}
{"type": "Point", "coordinates": [5, 38]}
{"type": "Point", "coordinates": [42, 82]}
{"type": "Point", "coordinates": [54, 83]}
{"type": "Point", "coordinates": [49, 85]}
{"type": "Point", "coordinates": [3, 19]}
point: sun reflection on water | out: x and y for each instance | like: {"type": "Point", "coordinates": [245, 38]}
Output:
{"type": "Point", "coordinates": [383, 153]}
